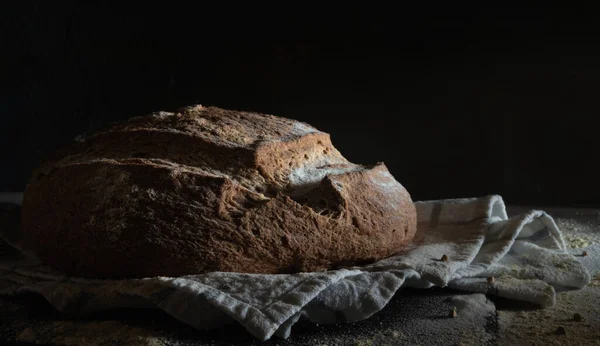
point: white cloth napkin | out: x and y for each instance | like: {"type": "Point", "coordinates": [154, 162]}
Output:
{"type": "Point", "coordinates": [526, 255]}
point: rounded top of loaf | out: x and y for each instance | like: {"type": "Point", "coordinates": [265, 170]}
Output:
{"type": "Point", "coordinates": [235, 129]}
{"type": "Point", "coordinates": [262, 152]}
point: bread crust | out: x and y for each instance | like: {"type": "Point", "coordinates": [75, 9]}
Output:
{"type": "Point", "coordinates": [206, 189]}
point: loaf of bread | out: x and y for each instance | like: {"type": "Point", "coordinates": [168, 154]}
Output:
{"type": "Point", "coordinates": [206, 189]}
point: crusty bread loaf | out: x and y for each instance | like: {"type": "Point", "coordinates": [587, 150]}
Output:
{"type": "Point", "coordinates": [206, 189]}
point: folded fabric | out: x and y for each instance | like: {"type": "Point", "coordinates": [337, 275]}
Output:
{"type": "Point", "coordinates": [525, 254]}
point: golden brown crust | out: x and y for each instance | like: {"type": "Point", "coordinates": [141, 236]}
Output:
{"type": "Point", "coordinates": [207, 189]}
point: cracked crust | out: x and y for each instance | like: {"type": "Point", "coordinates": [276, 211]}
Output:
{"type": "Point", "coordinates": [206, 189]}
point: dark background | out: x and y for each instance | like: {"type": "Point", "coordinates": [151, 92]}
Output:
{"type": "Point", "coordinates": [457, 101]}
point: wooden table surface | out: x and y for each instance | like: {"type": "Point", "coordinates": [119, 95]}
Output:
{"type": "Point", "coordinates": [412, 317]}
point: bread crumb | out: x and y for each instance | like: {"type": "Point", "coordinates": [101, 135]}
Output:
{"type": "Point", "coordinates": [453, 312]}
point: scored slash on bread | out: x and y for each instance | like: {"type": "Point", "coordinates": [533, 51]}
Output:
{"type": "Point", "coordinates": [206, 189]}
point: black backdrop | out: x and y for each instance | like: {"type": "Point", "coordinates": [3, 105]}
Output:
{"type": "Point", "coordinates": [456, 101]}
